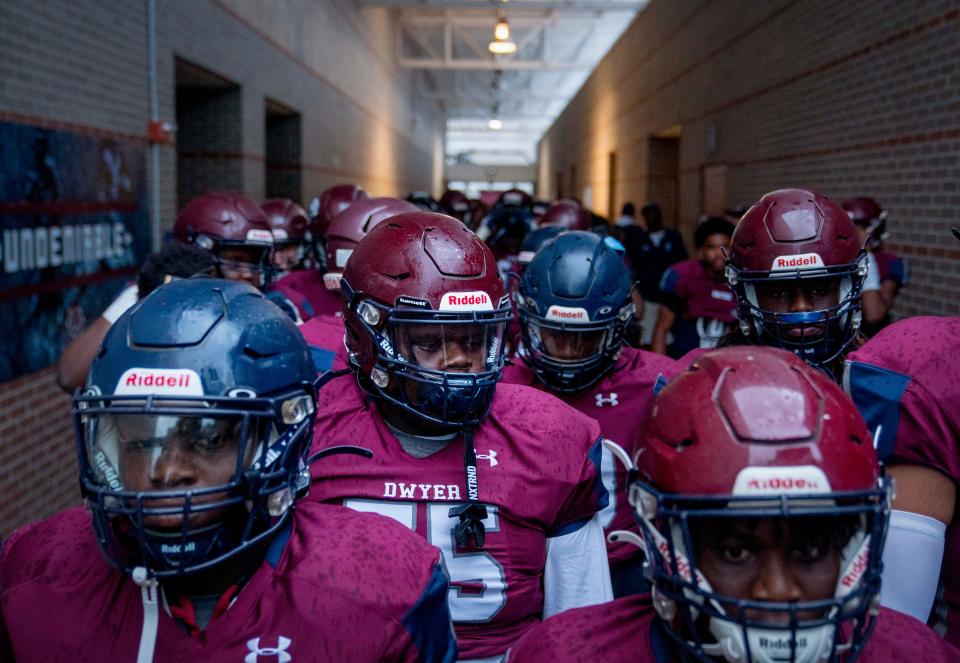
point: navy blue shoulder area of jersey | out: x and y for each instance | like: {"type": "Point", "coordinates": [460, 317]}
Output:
{"type": "Point", "coordinates": [428, 621]}
{"type": "Point", "coordinates": [877, 392]}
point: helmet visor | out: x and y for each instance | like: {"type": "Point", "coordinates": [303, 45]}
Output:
{"type": "Point", "coordinates": [472, 347]}
{"type": "Point", "coordinates": [567, 345]}
{"type": "Point", "coordinates": [250, 264]}
{"type": "Point", "coordinates": [169, 460]}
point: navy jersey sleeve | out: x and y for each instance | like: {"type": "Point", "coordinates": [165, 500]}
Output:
{"type": "Point", "coordinates": [671, 285]}
{"type": "Point", "coordinates": [428, 622]}
{"type": "Point", "coordinates": [908, 423]}
{"type": "Point", "coordinates": [877, 393]}
{"type": "Point", "coordinates": [899, 272]}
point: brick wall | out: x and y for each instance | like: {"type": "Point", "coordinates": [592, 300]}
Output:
{"type": "Point", "coordinates": [81, 65]}
{"type": "Point", "coordinates": [851, 98]}
{"type": "Point", "coordinates": [38, 460]}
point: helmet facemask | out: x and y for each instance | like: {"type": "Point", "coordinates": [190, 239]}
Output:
{"type": "Point", "coordinates": [440, 366]}
{"type": "Point", "coordinates": [288, 256]}
{"type": "Point", "coordinates": [713, 626]}
{"type": "Point", "coordinates": [817, 336]}
{"type": "Point", "coordinates": [240, 261]}
{"type": "Point", "coordinates": [566, 356]}
{"type": "Point", "coordinates": [179, 486]}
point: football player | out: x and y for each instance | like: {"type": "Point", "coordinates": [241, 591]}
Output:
{"type": "Point", "coordinates": [324, 331]}
{"type": "Point", "coordinates": [238, 235]}
{"type": "Point", "coordinates": [322, 210]}
{"type": "Point", "coordinates": [906, 383]}
{"type": "Point", "coordinates": [797, 267]}
{"type": "Point", "coordinates": [295, 277]}
{"type": "Point", "coordinates": [871, 223]}
{"type": "Point", "coordinates": [455, 203]}
{"type": "Point", "coordinates": [234, 230]}
{"type": "Point", "coordinates": [192, 436]}
{"type": "Point", "coordinates": [566, 214]}
{"type": "Point", "coordinates": [504, 479]}
{"type": "Point", "coordinates": [290, 227]}
{"type": "Point", "coordinates": [574, 304]}
{"type": "Point", "coordinates": [698, 305]}
{"type": "Point", "coordinates": [762, 510]}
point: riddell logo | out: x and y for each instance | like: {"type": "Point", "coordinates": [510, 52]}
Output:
{"type": "Point", "coordinates": [151, 380]}
{"type": "Point", "coordinates": [466, 301]}
{"type": "Point", "coordinates": [797, 480]}
{"type": "Point", "coordinates": [571, 313]}
{"type": "Point", "coordinates": [857, 567]}
{"type": "Point", "coordinates": [783, 483]}
{"type": "Point", "coordinates": [180, 381]}
{"type": "Point", "coordinates": [802, 261]}
{"type": "Point", "coordinates": [260, 236]}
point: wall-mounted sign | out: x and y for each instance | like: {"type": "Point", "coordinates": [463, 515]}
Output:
{"type": "Point", "coordinates": [73, 230]}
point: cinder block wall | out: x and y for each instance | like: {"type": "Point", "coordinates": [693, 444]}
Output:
{"type": "Point", "coordinates": [851, 98]}
{"type": "Point", "coordinates": [81, 66]}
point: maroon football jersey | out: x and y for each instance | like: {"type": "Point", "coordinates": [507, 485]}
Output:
{"type": "Point", "coordinates": [628, 631]}
{"type": "Point", "coordinates": [619, 402]}
{"type": "Point", "coordinates": [335, 586]}
{"type": "Point", "coordinates": [305, 288]}
{"type": "Point", "coordinates": [324, 335]}
{"type": "Point", "coordinates": [906, 382]}
{"type": "Point", "coordinates": [703, 296]}
{"type": "Point", "coordinates": [538, 474]}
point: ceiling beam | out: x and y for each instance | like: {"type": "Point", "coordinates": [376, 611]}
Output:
{"type": "Point", "coordinates": [566, 6]}
{"type": "Point", "coordinates": [504, 65]}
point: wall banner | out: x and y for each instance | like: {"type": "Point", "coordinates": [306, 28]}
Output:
{"type": "Point", "coordinates": [73, 230]}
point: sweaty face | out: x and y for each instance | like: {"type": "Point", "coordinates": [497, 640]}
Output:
{"type": "Point", "coordinates": [242, 263]}
{"type": "Point", "coordinates": [712, 253]}
{"type": "Point", "coordinates": [774, 560]}
{"type": "Point", "coordinates": [799, 296]}
{"type": "Point", "coordinates": [172, 453]}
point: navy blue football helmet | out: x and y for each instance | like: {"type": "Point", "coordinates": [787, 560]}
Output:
{"type": "Point", "coordinates": [536, 239]}
{"type": "Point", "coordinates": [193, 427]}
{"type": "Point", "coordinates": [574, 305]}
{"type": "Point", "coordinates": [507, 227]}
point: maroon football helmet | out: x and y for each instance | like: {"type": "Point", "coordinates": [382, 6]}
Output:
{"type": "Point", "coordinates": [234, 230]}
{"type": "Point", "coordinates": [290, 227]}
{"type": "Point", "coordinates": [417, 284]}
{"type": "Point", "coordinates": [791, 238]}
{"type": "Point", "coordinates": [567, 215]}
{"type": "Point", "coordinates": [455, 203]}
{"type": "Point", "coordinates": [867, 213]}
{"type": "Point", "coordinates": [771, 438]}
{"type": "Point", "coordinates": [333, 201]}
{"type": "Point", "coordinates": [352, 225]}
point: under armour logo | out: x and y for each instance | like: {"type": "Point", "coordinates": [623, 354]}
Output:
{"type": "Point", "coordinates": [491, 456]}
{"type": "Point", "coordinates": [611, 401]}
{"type": "Point", "coordinates": [280, 651]}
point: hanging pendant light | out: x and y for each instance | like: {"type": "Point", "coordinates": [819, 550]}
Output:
{"type": "Point", "coordinates": [501, 44]}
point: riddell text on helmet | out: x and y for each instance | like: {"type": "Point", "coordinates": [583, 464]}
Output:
{"type": "Point", "coordinates": [574, 313]}
{"type": "Point", "coordinates": [181, 381]}
{"type": "Point", "coordinates": [801, 260]}
{"type": "Point", "coordinates": [466, 301]}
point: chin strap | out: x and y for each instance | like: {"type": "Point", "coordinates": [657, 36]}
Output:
{"type": "Point", "coordinates": [151, 614]}
{"type": "Point", "coordinates": [473, 512]}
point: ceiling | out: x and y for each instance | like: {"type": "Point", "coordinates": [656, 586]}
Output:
{"type": "Point", "coordinates": [558, 45]}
